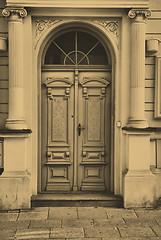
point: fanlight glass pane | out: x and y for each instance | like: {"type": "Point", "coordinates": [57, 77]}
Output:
{"type": "Point", "coordinates": [76, 48]}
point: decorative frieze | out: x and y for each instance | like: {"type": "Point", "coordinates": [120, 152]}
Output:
{"type": "Point", "coordinates": [43, 24]}
{"type": "Point", "coordinates": [111, 26]}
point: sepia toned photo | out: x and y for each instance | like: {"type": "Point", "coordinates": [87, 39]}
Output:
{"type": "Point", "coordinates": [80, 119]}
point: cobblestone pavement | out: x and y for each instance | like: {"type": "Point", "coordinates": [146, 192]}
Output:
{"type": "Point", "coordinates": [89, 223]}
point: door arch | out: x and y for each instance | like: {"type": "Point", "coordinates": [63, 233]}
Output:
{"type": "Point", "coordinates": [76, 113]}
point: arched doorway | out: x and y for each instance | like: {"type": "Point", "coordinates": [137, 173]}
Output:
{"type": "Point", "coordinates": [75, 113]}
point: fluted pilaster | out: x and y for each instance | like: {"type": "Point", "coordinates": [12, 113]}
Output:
{"type": "Point", "coordinates": [16, 109]}
{"type": "Point", "coordinates": [137, 100]}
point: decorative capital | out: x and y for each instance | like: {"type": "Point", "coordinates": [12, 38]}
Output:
{"type": "Point", "coordinates": [21, 12]}
{"type": "Point", "coordinates": [134, 12]}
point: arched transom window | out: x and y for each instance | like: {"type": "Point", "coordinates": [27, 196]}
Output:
{"type": "Point", "coordinates": [76, 48]}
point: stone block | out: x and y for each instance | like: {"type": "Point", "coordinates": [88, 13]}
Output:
{"type": "Point", "coordinates": [101, 232]}
{"type": "Point", "coordinates": [13, 225]}
{"type": "Point", "coordinates": [32, 234]}
{"type": "Point", "coordinates": [32, 216]}
{"type": "Point", "coordinates": [8, 216]}
{"type": "Point", "coordinates": [67, 233]}
{"type": "Point", "coordinates": [113, 213]}
{"type": "Point", "coordinates": [136, 232]}
{"type": "Point", "coordinates": [45, 224]}
{"type": "Point", "coordinates": [139, 189]}
{"type": "Point", "coordinates": [91, 213]}
{"type": "Point", "coordinates": [14, 190]}
{"type": "Point", "coordinates": [109, 222]}
{"type": "Point", "coordinates": [62, 213]}
{"type": "Point", "coordinates": [77, 223]}
{"type": "Point", "coordinates": [7, 234]}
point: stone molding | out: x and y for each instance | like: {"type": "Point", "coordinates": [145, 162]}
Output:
{"type": "Point", "coordinates": [43, 24]}
{"type": "Point", "coordinates": [21, 12]}
{"type": "Point", "coordinates": [133, 13]}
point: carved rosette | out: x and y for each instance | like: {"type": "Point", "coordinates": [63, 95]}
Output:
{"type": "Point", "coordinates": [21, 12]}
{"type": "Point", "coordinates": [133, 13]}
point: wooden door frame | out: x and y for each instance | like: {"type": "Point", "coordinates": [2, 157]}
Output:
{"type": "Point", "coordinates": [109, 41]}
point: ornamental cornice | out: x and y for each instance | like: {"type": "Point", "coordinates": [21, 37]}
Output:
{"type": "Point", "coordinates": [113, 4]}
{"type": "Point", "coordinates": [21, 12]}
{"type": "Point", "coordinates": [134, 12]}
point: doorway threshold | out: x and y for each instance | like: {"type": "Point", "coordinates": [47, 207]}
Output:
{"type": "Point", "coordinates": [74, 199]}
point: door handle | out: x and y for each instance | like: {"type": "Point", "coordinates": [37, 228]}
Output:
{"type": "Point", "coordinates": [79, 129]}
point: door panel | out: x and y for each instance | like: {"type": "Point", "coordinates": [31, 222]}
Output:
{"type": "Point", "coordinates": [75, 158]}
{"type": "Point", "coordinates": [93, 147]}
{"type": "Point", "coordinates": [57, 164]}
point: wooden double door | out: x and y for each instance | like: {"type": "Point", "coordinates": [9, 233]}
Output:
{"type": "Point", "coordinates": [75, 131]}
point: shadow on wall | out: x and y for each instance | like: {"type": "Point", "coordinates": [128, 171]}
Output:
{"type": "Point", "coordinates": [1, 170]}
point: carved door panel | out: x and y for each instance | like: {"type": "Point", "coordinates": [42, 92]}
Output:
{"type": "Point", "coordinates": [94, 136]}
{"type": "Point", "coordinates": [57, 131]}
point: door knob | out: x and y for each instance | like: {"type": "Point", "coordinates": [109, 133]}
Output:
{"type": "Point", "coordinates": [79, 129]}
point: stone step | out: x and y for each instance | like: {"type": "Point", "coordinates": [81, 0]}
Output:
{"type": "Point", "coordinates": [80, 199]}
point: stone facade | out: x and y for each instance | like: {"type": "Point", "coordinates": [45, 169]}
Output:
{"type": "Point", "coordinates": [131, 33]}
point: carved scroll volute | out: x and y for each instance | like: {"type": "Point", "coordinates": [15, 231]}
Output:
{"type": "Point", "coordinates": [19, 11]}
{"type": "Point", "coordinates": [133, 13]}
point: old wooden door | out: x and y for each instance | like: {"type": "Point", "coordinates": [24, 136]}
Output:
{"type": "Point", "coordinates": [75, 115]}
{"type": "Point", "coordinates": [75, 131]}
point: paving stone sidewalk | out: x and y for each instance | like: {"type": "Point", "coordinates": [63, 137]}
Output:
{"type": "Point", "coordinates": [89, 223]}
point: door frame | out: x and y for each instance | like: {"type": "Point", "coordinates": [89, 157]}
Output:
{"type": "Point", "coordinates": [109, 41]}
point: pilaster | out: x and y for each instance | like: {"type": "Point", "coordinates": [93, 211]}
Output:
{"type": "Point", "coordinates": [138, 181]}
{"type": "Point", "coordinates": [15, 190]}
{"type": "Point", "coordinates": [16, 86]}
{"type": "Point", "coordinates": [137, 82]}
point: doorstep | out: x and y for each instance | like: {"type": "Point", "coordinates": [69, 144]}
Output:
{"type": "Point", "coordinates": [80, 199]}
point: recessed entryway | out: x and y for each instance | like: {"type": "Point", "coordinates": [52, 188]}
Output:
{"type": "Point", "coordinates": [75, 114]}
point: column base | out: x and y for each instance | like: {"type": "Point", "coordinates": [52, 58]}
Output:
{"type": "Point", "coordinates": [137, 123]}
{"type": "Point", "coordinates": [15, 190]}
{"type": "Point", "coordinates": [16, 124]}
{"type": "Point", "coordinates": [139, 189]}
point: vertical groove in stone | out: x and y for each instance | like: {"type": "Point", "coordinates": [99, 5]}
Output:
{"type": "Point", "coordinates": [15, 54]}
{"type": "Point", "coordinates": [138, 55]}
